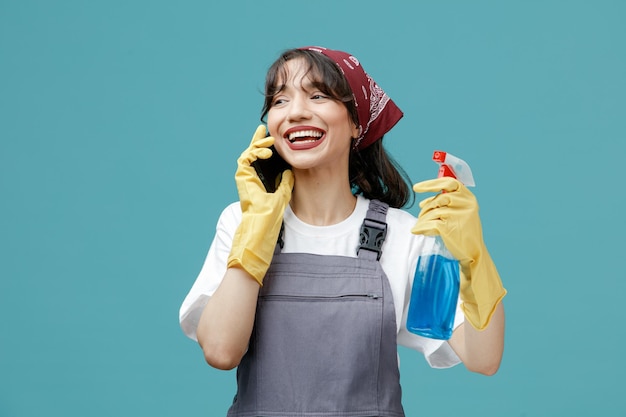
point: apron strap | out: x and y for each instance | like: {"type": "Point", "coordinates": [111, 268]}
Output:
{"type": "Point", "coordinates": [373, 231]}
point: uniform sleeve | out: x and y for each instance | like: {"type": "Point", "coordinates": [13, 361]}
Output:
{"type": "Point", "coordinates": [437, 353]}
{"type": "Point", "coordinates": [212, 271]}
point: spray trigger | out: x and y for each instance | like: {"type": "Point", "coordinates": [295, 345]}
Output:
{"type": "Point", "coordinates": [451, 166]}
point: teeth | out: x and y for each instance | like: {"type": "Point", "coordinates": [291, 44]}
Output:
{"type": "Point", "coordinates": [305, 134]}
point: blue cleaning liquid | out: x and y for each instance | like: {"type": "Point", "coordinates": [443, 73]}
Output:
{"type": "Point", "coordinates": [434, 297]}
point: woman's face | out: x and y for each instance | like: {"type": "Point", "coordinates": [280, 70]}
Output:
{"type": "Point", "coordinates": [311, 129]}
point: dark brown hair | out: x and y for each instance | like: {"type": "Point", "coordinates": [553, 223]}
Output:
{"type": "Point", "coordinates": [373, 173]}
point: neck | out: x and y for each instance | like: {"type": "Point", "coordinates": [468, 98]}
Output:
{"type": "Point", "coordinates": [321, 200]}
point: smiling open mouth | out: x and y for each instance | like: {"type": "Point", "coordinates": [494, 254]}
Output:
{"type": "Point", "coordinates": [305, 136]}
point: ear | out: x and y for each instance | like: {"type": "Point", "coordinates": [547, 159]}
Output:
{"type": "Point", "coordinates": [356, 132]}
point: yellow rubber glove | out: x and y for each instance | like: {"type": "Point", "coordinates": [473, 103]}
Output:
{"type": "Point", "coordinates": [262, 212]}
{"type": "Point", "coordinates": [453, 215]}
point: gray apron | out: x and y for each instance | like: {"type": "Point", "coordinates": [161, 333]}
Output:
{"type": "Point", "coordinates": [324, 339]}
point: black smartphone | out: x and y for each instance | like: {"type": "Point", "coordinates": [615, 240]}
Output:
{"type": "Point", "coordinates": [270, 170]}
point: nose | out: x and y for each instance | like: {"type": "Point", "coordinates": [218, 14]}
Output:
{"type": "Point", "coordinates": [299, 109]}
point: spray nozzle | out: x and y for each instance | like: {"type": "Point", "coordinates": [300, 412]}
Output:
{"type": "Point", "coordinates": [451, 166]}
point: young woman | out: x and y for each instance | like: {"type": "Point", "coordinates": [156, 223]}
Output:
{"type": "Point", "coordinates": [306, 289]}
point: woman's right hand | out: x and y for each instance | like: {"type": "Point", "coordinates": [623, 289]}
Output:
{"type": "Point", "coordinates": [262, 212]}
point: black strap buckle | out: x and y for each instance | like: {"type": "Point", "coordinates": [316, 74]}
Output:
{"type": "Point", "coordinates": [372, 236]}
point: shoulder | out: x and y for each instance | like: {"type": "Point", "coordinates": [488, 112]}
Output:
{"type": "Point", "coordinates": [399, 221]}
{"type": "Point", "coordinates": [399, 224]}
{"type": "Point", "coordinates": [400, 216]}
{"type": "Point", "coordinates": [402, 248]}
{"type": "Point", "coordinates": [230, 216]}
{"type": "Point", "coordinates": [392, 212]}
{"type": "Point", "coordinates": [232, 210]}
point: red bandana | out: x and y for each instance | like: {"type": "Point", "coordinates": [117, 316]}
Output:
{"type": "Point", "coordinates": [377, 112]}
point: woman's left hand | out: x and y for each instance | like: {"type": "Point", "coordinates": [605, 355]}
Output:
{"type": "Point", "coordinates": [453, 214]}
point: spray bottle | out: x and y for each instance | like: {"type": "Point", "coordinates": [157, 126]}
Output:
{"type": "Point", "coordinates": [435, 291]}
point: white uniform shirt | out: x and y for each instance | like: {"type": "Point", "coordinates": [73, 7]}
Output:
{"type": "Point", "coordinates": [399, 258]}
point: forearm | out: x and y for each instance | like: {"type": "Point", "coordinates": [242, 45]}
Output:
{"type": "Point", "coordinates": [481, 350]}
{"type": "Point", "coordinates": [227, 320]}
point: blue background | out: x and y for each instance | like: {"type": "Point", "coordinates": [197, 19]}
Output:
{"type": "Point", "coordinates": [120, 124]}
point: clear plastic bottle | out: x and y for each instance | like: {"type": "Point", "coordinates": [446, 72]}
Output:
{"type": "Point", "coordinates": [434, 294]}
{"type": "Point", "coordinates": [435, 291]}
